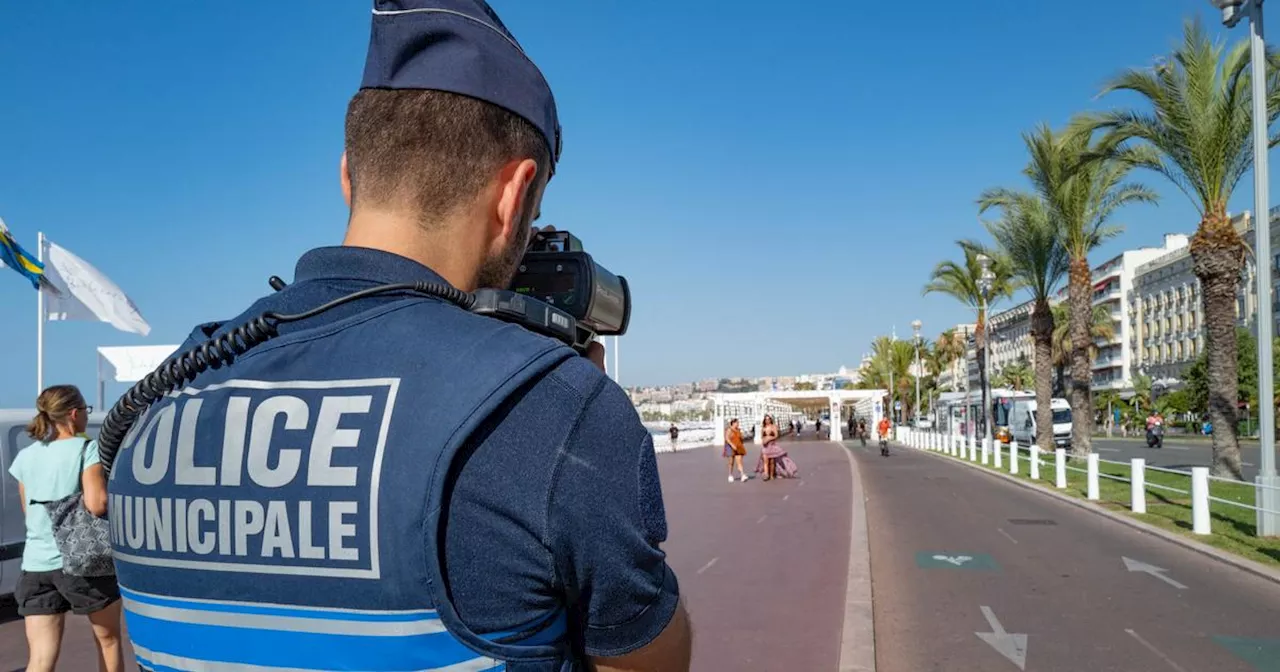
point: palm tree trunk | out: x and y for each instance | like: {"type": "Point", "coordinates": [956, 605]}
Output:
{"type": "Point", "coordinates": [1042, 335]}
{"type": "Point", "coordinates": [1080, 299]}
{"type": "Point", "coordinates": [1217, 254]}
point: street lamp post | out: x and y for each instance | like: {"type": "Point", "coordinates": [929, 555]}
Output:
{"type": "Point", "coordinates": [1268, 497]}
{"type": "Point", "coordinates": [985, 281]}
{"type": "Point", "coordinates": [915, 327]}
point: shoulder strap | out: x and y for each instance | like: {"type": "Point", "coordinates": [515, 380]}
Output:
{"type": "Point", "coordinates": [80, 474]}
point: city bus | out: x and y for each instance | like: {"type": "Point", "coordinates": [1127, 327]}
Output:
{"type": "Point", "coordinates": [955, 410]}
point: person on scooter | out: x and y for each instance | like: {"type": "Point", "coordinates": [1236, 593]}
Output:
{"type": "Point", "coordinates": [1155, 429]}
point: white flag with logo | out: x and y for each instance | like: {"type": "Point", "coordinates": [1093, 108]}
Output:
{"type": "Point", "coordinates": [84, 293]}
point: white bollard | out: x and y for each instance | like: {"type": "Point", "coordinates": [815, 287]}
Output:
{"type": "Point", "coordinates": [973, 449]}
{"type": "Point", "coordinates": [1200, 500]}
{"type": "Point", "coordinates": [1013, 456]}
{"type": "Point", "coordinates": [1060, 468]}
{"type": "Point", "coordinates": [953, 446]}
{"type": "Point", "coordinates": [986, 451]}
{"type": "Point", "coordinates": [1035, 462]}
{"type": "Point", "coordinates": [998, 449]}
{"type": "Point", "coordinates": [1138, 483]}
{"type": "Point", "coordinates": [1092, 488]}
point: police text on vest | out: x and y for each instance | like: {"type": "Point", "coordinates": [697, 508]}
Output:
{"type": "Point", "coordinates": [256, 476]}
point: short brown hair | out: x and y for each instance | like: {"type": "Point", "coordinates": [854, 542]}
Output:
{"type": "Point", "coordinates": [431, 151]}
{"type": "Point", "coordinates": [53, 408]}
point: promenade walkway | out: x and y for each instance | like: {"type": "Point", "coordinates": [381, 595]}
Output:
{"type": "Point", "coordinates": [762, 566]}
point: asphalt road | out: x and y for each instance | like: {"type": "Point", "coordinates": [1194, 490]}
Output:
{"type": "Point", "coordinates": [762, 566]}
{"type": "Point", "coordinates": [955, 552]}
{"type": "Point", "coordinates": [1176, 454]}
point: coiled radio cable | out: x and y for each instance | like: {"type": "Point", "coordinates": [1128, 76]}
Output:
{"type": "Point", "coordinates": [222, 350]}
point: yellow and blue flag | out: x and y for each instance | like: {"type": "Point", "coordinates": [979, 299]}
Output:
{"type": "Point", "coordinates": [13, 256]}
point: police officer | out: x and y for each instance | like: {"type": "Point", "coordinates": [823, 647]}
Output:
{"type": "Point", "coordinates": [393, 482]}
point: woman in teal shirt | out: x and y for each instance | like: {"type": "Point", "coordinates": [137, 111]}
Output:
{"type": "Point", "coordinates": [48, 470]}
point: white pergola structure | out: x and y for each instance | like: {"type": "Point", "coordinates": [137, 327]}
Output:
{"type": "Point", "coordinates": [751, 407]}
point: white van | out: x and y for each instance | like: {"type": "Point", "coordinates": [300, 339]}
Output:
{"type": "Point", "coordinates": [1022, 422]}
{"type": "Point", "coordinates": [13, 529]}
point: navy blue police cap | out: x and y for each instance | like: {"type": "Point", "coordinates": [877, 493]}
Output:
{"type": "Point", "coordinates": [459, 46]}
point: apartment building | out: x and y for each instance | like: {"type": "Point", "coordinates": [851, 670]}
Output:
{"type": "Point", "coordinates": [1011, 337]}
{"type": "Point", "coordinates": [1165, 315]}
{"type": "Point", "coordinates": [1112, 285]}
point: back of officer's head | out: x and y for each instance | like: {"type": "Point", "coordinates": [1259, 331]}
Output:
{"type": "Point", "coordinates": [450, 140]}
{"type": "Point", "coordinates": [434, 155]}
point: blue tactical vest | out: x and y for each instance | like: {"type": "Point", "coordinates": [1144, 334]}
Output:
{"type": "Point", "coordinates": [283, 512]}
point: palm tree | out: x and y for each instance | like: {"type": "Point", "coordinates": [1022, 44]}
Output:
{"type": "Point", "coordinates": [1018, 376]}
{"type": "Point", "coordinates": [1102, 328]}
{"type": "Point", "coordinates": [1142, 400]}
{"type": "Point", "coordinates": [892, 359]}
{"type": "Point", "coordinates": [1106, 402]}
{"type": "Point", "coordinates": [1199, 125]}
{"type": "Point", "coordinates": [950, 349]}
{"type": "Point", "coordinates": [1031, 239]}
{"type": "Point", "coordinates": [1082, 183]}
{"type": "Point", "coordinates": [960, 281]}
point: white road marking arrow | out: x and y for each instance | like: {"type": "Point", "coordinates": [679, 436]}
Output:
{"type": "Point", "coordinates": [956, 560]}
{"type": "Point", "coordinates": [1136, 566]}
{"type": "Point", "coordinates": [1011, 646]}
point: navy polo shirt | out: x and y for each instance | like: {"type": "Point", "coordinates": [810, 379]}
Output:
{"type": "Point", "coordinates": [555, 500]}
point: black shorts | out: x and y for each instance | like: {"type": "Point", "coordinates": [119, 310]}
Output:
{"type": "Point", "coordinates": [48, 593]}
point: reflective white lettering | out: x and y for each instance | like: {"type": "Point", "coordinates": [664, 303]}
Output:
{"type": "Point", "coordinates": [237, 422]}
{"type": "Point", "coordinates": [305, 548]}
{"type": "Point", "coordinates": [327, 436]}
{"type": "Point", "coordinates": [134, 531]}
{"type": "Point", "coordinates": [116, 513]}
{"type": "Point", "coordinates": [248, 523]}
{"type": "Point", "coordinates": [199, 511]}
{"type": "Point", "coordinates": [163, 524]}
{"type": "Point", "coordinates": [287, 459]}
{"type": "Point", "coordinates": [159, 433]}
{"type": "Point", "coordinates": [276, 536]}
{"type": "Point", "coordinates": [186, 472]}
{"type": "Point", "coordinates": [224, 527]}
{"type": "Point", "coordinates": [339, 530]}
{"type": "Point", "coordinates": [180, 524]}
{"type": "Point", "coordinates": [159, 522]}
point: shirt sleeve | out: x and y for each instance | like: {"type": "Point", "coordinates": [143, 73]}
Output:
{"type": "Point", "coordinates": [607, 519]}
{"type": "Point", "coordinates": [15, 469]}
{"type": "Point", "coordinates": [91, 456]}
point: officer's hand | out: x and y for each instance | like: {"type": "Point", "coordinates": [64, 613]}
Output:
{"type": "Point", "coordinates": [595, 353]}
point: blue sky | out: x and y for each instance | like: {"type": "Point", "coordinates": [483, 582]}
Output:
{"type": "Point", "coordinates": [775, 185]}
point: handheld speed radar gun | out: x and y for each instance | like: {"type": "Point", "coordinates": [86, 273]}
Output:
{"type": "Point", "coordinates": [574, 298]}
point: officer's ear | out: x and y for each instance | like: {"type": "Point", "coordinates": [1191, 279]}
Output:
{"type": "Point", "coordinates": [519, 197]}
{"type": "Point", "coordinates": [344, 176]}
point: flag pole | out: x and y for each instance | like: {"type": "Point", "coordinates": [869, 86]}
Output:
{"type": "Point", "coordinates": [102, 385]}
{"type": "Point", "coordinates": [40, 322]}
